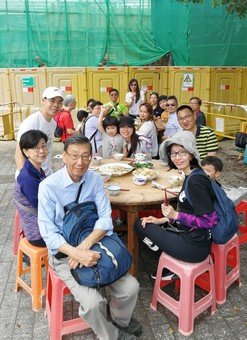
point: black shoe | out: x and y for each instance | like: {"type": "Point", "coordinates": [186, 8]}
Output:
{"type": "Point", "coordinates": [133, 328]}
{"type": "Point", "coordinates": [167, 275]}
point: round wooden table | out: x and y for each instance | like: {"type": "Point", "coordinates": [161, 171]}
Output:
{"type": "Point", "coordinates": [137, 198]}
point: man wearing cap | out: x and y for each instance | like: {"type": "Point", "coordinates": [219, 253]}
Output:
{"type": "Point", "coordinates": [51, 104]}
{"type": "Point", "coordinates": [115, 109]}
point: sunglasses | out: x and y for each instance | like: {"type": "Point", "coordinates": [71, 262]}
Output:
{"type": "Point", "coordinates": [134, 84]}
{"type": "Point", "coordinates": [170, 105]}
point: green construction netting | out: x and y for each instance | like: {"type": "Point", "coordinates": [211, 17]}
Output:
{"type": "Point", "coordinates": [76, 33]}
{"type": "Point", "coordinates": [197, 34]}
{"type": "Point", "coordinates": [118, 32]}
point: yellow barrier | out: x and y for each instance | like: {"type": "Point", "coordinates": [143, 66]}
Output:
{"type": "Point", "coordinates": [225, 118]}
{"type": "Point", "coordinates": [10, 118]}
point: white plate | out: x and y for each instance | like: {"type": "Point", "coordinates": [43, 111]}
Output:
{"type": "Point", "coordinates": [115, 169]}
{"type": "Point", "coordinates": [149, 173]}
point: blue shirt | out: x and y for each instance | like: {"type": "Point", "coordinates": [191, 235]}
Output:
{"type": "Point", "coordinates": [29, 179]}
{"type": "Point", "coordinates": [58, 190]}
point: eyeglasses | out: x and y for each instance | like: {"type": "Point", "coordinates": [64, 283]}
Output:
{"type": "Point", "coordinates": [170, 105]}
{"type": "Point", "coordinates": [181, 119]}
{"type": "Point", "coordinates": [133, 84]}
{"type": "Point", "coordinates": [113, 94]}
{"type": "Point", "coordinates": [76, 156]}
{"type": "Point", "coordinates": [43, 147]}
{"type": "Point", "coordinates": [180, 153]}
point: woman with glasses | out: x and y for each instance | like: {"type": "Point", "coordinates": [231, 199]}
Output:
{"type": "Point", "coordinates": [33, 145]}
{"type": "Point", "coordinates": [183, 234]}
{"type": "Point", "coordinates": [135, 97]}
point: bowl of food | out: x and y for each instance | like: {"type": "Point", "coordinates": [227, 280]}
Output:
{"type": "Point", "coordinates": [118, 156]}
{"type": "Point", "coordinates": [140, 180]}
{"type": "Point", "coordinates": [105, 177]}
{"type": "Point", "coordinates": [96, 160]}
{"type": "Point", "coordinates": [174, 181]}
{"type": "Point", "coordinates": [140, 157]}
{"type": "Point", "coordinates": [114, 189]}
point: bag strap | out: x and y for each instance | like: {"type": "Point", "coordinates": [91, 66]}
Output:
{"type": "Point", "coordinates": [79, 193]}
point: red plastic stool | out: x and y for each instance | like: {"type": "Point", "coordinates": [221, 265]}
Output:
{"type": "Point", "coordinates": [186, 309]}
{"type": "Point", "coordinates": [18, 233]}
{"type": "Point", "coordinates": [56, 289]}
{"type": "Point", "coordinates": [242, 208]}
{"type": "Point", "coordinates": [226, 255]}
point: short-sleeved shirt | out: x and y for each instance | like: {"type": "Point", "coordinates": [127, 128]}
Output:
{"type": "Point", "coordinates": [36, 121]}
{"type": "Point", "coordinates": [206, 140]}
{"type": "Point", "coordinates": [172, 125]}
{"type": "Point", "coordinates": [111, 145]}
{"type": "Point", "coordinates": [91, 127]}
{"type": "Point", "coordinates": [134, 108]}
{"type": "Point", "coordinates": [64, 119]}
{"type": "Point", "coordinates": [148, 131]}
{"type": "Point", "coordinates": [117, 109]}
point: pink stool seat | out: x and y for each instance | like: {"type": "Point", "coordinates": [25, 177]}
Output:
{"type": "Point", "coordinates": [56, 289]}
{"type": "Point", "coordinates": [186, 309]}
{"type": "Point", "coordinates": [226, 255]}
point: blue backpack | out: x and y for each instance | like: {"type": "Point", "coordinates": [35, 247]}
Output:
{"type": "Point", "coordinates": [227, 218]}
{"type": "Point", "coordinates": [115, 259]}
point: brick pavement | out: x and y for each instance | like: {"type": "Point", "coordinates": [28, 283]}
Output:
{"type": "Point", "coordinates": [18, 321]}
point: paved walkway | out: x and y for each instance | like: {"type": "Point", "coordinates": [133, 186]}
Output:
{"type": "Point", "coordinates": [18, 321]}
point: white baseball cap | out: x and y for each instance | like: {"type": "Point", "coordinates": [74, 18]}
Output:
{"type": "Point", "coordinates": [52, 92]}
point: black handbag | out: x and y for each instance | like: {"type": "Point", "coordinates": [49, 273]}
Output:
{"type": "Point", "coordinates": [241, 140]}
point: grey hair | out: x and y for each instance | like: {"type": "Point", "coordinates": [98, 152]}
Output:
{"type": "Point", "coordinates": [69, 99]}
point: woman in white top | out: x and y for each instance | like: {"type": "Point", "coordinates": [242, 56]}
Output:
{"type": "Point", "coordinates": [134, 98]}
{"type": "Point", "coordinates": [147, 130]}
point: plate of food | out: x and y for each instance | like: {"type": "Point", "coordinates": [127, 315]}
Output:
{"type": "Point", "coordinates": [143, 164]}
{"type": "Point", "coordinates": [149, 173]}
{"type": "Point", "coordinates": [115, 169]}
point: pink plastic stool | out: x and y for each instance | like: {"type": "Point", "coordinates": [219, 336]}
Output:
{"type": "Point", "coordinates": [186, 309]}
{"type": "Point", "coordinates": [18, 233]}
{"type": "Point", "coordinates": [242, 208]}
{"type": "Point", "coordinates": [55, 291]}
{"type": "Point", "coordinates": [226, 255]}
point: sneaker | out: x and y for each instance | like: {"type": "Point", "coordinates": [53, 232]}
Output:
{"type": "Point", "coordinates": [167, 275]}
{"type": "Point", "coordinates": [134, 328]}
{"type": "Point", "coordinates": [125, 336]}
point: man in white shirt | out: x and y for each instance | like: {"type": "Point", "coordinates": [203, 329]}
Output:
{"type": "Point", "coordinates": [51, 104]}
{"type": "Point", "coordinates": [172, 125]}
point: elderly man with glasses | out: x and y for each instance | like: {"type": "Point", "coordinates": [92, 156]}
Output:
{"type": "Point", "coordinates": [172, 125]}
{"type": "Point", "coordinates": [109, 320]}
{"type": "Point", "coordinates": [115, 109]}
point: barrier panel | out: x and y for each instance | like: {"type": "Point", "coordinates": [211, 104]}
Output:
{"type": "Point", "coordinates": [243, 99]}
{"type": "Point", "coordinates": [154, 78]}
{"type": "Point", "coordinates": [101, 79]}
{"type": "Point", "coordinates": [27, 85]}
{"type": "Point", "coordinates": [5, 95]}
{"type": "Point", "coordinates": [226, 123]}
{"type": "Point", "coordinates": [226, 84]}
{"type": "Point", "coordinates": [187, 82]}
{"type": "Point", "coordinates": [71, 80]}
{"type": "Point", "coordinates": [10, 118]}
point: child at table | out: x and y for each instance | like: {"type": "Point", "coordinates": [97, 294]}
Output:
{"type": "Point", "coordinates": [112, 141]}
{"type": "Point", "coordinates": [212, 166]}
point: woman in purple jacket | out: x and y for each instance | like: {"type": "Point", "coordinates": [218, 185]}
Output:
{"type": "Point", "coordinates": [33, 145]}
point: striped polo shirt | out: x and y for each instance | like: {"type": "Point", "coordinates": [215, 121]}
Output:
{"type": "Point", "coordinates": [206, 140]}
